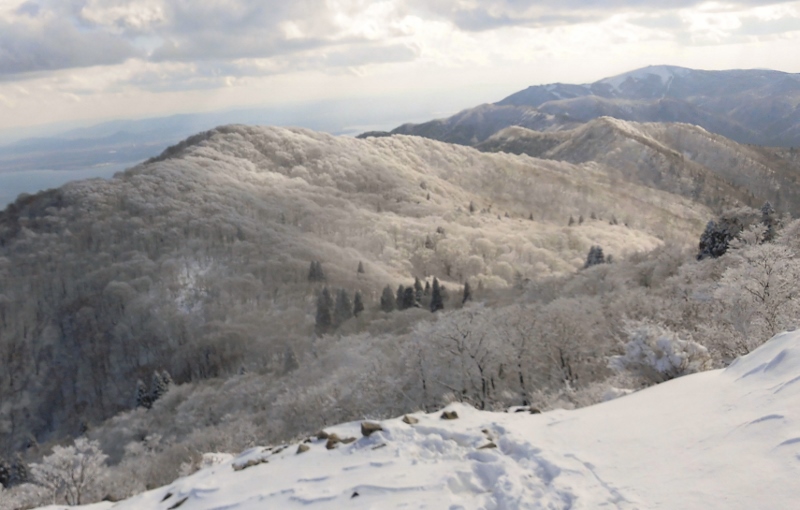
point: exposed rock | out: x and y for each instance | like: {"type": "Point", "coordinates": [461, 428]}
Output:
{"type": "Point", "coordinates": [333, 440]}
{"type": "Point", "coordinates": [348, 440]}
{"type": "Point", "coordinates": [239, 466]}
{"type": "Point", "coordinates": [302, 447]}
{"type": "Point", "coordinates": [535, 411]}
{"type": "Point", "coordinates": [322, 435]}
{"type": "Point", "coordinates": [368, 427]}
{"type": "Point", "coordinates": [410, 420]}
{"type": "Point", "coordinates": [382, 445]}
{"type": "Point", "coordinates": [449, 415]}
{"type": "Point", "coordinates": [487, 446]}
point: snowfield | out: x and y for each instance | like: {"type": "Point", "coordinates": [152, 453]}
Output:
{"type": "Point", "coordinates": [727, 439]}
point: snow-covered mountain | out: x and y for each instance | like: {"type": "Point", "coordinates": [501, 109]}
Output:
{"type": "Point", "coordinates": [724, 439]}
{"type": "Point", "coordinates": [748, 106]}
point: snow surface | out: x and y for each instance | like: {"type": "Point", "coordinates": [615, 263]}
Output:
{"type": "Point", "coordinates": [665, 73]}
{"type": "Point", "coordinates": [727, 439]}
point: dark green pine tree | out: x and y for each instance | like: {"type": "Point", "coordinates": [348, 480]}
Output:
{"type": "Point", "coordinates": [343, 310]}
{"type": "Point", "coordinates": [467, 293]}
{"type": "Point", "coordinates": [418, 290]}
{"type": "Point", "coordinates": [19, 472]}
{"type": "Point", "coordinates": [160, 385]}
{"type": "Point", "coordinates": [143, 398]}
{"type": "Point", "coordinates": [436, 297]}
{"type": "Point", "coordinates": [401, 291]}
{"type": "Point", "coordinates": [324, 318]}
{"type": "Point", "coordinates": [360, 269]}
{"type": "Point", "coordinates": [5, 473]}
{"type": "Point", "coordinates": [358, 303]}
{"type": "Point", "coordinates": [388, 300]}
{"type": "Point", "coordinates": [410, 298]}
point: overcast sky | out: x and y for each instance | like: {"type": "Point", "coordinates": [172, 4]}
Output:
{"type": "Point", "coordinates": [65, 60]}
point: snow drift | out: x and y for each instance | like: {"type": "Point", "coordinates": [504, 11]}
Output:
{"type": "Point", "coordinates": [720, 439]}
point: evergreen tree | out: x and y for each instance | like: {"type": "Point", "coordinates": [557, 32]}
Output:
{"type": "Point", "coordinates": [418, 290]}
{"type": "Point", "coordinates": [580, 219]}
{"type": "Point", "coordinates": [358, 303]}
{"type": "Point", "coordinates": [594, 257]}
{"type": "Point", "coordinates": [315, 273]}
{"type": "Point", "coordinates": [436, 297]}
{"type": "Point", "coordinates": [143, 398]}
{"type": "Point", "coordinates": [343, 310]}
{"type": "Point", "coordinates": [769, 220]}
{"type": "Point", "coordinates": [324, 318]}
{"type": "Point", "coordinates": [5, 474]}
{"type": "Point", "coordinates": [410, 298]}
{"type": "Point", "coordinates": [471, 206]}
{"type": "Point", "coordinates": [157, 388]}
{"type": "Point", "coordinates": [429, 243]}
{"type": "Point", "coordinates": [19, 472]}
{"type": "Point", "coordinates": [467, 293]}
{"type": "Point", "coordinates": [427, 290]}
{"type": "Point", "coordinates": [571, 221]}
{"type": "Point", "coordinates": [401, 291]}
{"type": "Point", "coordinates": [388, 301]}
{"type": "Point", "coordinates": [360, 269]}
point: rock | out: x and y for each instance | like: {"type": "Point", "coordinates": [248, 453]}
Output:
{"type": "Point", "coordinates": [355, 495]}
{"type": "Point", "coordinates": [382, 445]}
{"type": "Point", "coordinates": [449, 415]}
{"type": "Point", "coordinates": [487, 446]}
{"type": "Point", "coordinates": [239, 466]}
{"type": "Point", "coordinates": [333, 440]}
{"type": "Point", "coordinates": [322, 435]}
{"type": "Point", "coordinates": [302, 447]}
{"type": "Point", "coordinates": [368, 427]}
{"type": "Point", "coordinates": [348, 440]}
{"type": "Point", "coordinates": [535, 411]}
{"type": "Point", "coordinates": [410, 420]}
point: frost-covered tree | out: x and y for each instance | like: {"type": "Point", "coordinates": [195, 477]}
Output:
{"type": "Point", "coordinates": [717, 236]}
{"type": "Point", "coordinates": [657, 354]}
{"type": "Point", "coordinates": [5, 473]}
{"type": "Point", "coordinates": [388, 301]}
{"type": "Point", "coordinates": [769, 220]}
{"type": "Point", "coordinates": [159, 385]}
{"type": "Point", "coordinates": [73, 472]}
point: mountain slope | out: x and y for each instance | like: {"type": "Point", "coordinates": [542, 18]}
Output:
{"type": "Point", "coordinates": [679, 158]}
{"type": "Point", "coordinates": [748, 106]}
{"type": "Point", "coordinates": [197, 261]}
{"type": "Point", "coordinates": [723, 439]}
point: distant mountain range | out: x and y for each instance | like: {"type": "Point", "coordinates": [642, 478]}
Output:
{"type": "Point", "coordinates": [748, 106]}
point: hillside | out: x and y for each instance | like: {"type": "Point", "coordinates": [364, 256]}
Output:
{"type": "Point", "coordinates": [748, 106]}
{"type": "Point", "coordinates": [679, 158]}
{"type": "Point", "coordinates": [197, 261]}
{"type": "Point", "coordinates": [724, 439]}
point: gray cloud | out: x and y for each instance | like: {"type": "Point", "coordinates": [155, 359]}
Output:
{"type": "Point", "coordinates": [48, 45]}
{"type": "Point", "coordinates": [492, 14]}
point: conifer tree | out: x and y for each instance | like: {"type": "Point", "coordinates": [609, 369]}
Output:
{"type": "Point", "coordinates": [343, 310]}
{"type": "Point", "coordinates": [358, 304]}
{"type": "Point", "coordinates": [418, 290]}
{"type": "Point", "coordinates": [5, 474]}
{"type": "Point", "coordinates": [410, 298]}
{"type": "Point", "coordinates": [157, 387]}
{"type": "Point", "coordinates": [427, 290]}
{"type": "Point", "coordinates": [769, 220]}
{"type": "Point", "coordinates": [324, 318]}
{"type": "Point", "coordinates": [388, 301]}
{"type": "Point", "coordinates": [19, 472]}
{"type": "Point", "coordinates": [594, 257]}
{"type": "Point", "coordinates": [401, 291]}
{"type": "Point", "coordinates": [315, 273]}
{"type": "Point", "coordinates": [143, 398]}
{"type": "Point", "coordinates": [360, 269]}
{"type": "Point", "coordinates": [467, 293]}
{"type": "Point", "coordinates": [436, 297]}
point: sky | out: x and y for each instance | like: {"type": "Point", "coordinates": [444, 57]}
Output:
{"type": "Point", "coordinates": [65, 61]}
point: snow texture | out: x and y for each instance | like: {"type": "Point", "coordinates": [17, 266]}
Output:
{"type": "Point", "coordinates": [727, 439]}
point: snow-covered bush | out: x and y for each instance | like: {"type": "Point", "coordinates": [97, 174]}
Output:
{"type": "Point", "coordinates": [657, 354]}
{"type": "Point", "coordinates": [73, 472]}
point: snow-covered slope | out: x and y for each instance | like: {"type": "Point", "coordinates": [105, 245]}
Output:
{"type": "Point", "coordinates": [722, 439]}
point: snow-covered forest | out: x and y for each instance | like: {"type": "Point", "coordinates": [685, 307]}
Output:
{"type": "Point", "coordinates": [205, 301]}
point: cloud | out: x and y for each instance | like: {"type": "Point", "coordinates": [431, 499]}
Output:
{"type": "Point", "coordinates": [46, 45]}
{"type": "Point", "coordinates": [471, 15]}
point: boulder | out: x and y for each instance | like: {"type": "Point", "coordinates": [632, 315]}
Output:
{"type": "Point", "coordinates": [410, 420]}
{"type": "Point", "coordinates": [368, 427]}
{"type": "Point", "coordinates": [449, 415]}
{"type": "Point", "coordinates": [302, 447]}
